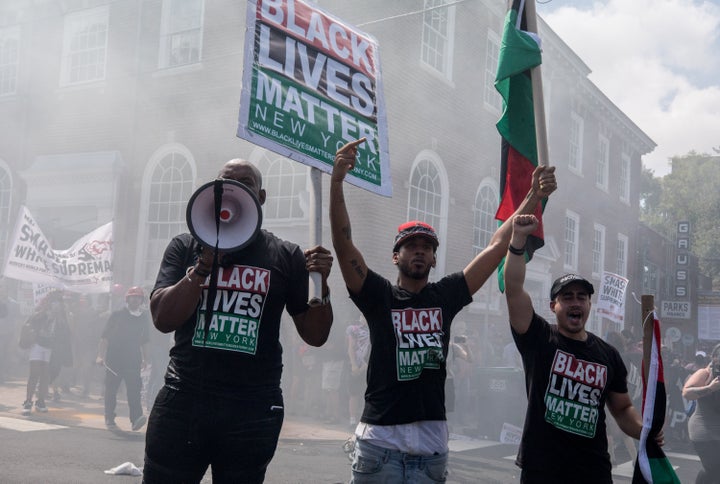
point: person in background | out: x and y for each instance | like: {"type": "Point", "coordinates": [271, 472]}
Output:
{"type": "Point", "coordinates": [123, 353]}
{"type": "Point", "coordinates": [703, 386]}
{"type": "Point", "coordinates": [86, 334]}
{"type": "Point", "coordinates": [403, 433]}
{"type": "Point", "coordinates": [699, 361]}
{"type": "Point", "coordinates": [62, 352]}
{"type": "Point", "coordinates": [615, 435]}
{"type": "Point", "coordinates": [570, 377]}
{"type": "Point", "coordinates": [222, 404]}
{"type": "Point", "coordinates": [158, 357]}
{"type": "Point", "coordinates": [358, 350]}
{"type": "Point", "coordinates": [48, 318]}
{"type": "Point", "coordinates": [332, 374]}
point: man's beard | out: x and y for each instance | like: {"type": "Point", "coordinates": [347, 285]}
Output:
{"type": "Point", "coordinates": [408, 271]}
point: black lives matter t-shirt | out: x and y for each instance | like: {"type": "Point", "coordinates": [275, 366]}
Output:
{"type": "Point", "coordinates": [241, 347]}
{"type": "Point", "coordinates": [409, 337]}
{"type": "Point", "coordinates": [567, 382]}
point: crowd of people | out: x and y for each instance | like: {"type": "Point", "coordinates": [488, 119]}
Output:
{"type": "Point", "coordinates": [62, 345]}
{"type": "Point", "coordinates": [393, 374]}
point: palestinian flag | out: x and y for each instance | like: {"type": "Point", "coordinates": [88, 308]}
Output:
{"type": "Point", "coordinates": [652, 466]}
{"type": "Point", "coordinates": [519, 52]}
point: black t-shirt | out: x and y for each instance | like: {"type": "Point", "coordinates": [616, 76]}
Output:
{"type": "Point", "coordinates": [241, 348]}
{"type": "Point", "coordinates": [409, 337]}
{"type": "Point", "coordinates": [125, 335]}
{"type": "Point", "coordinates": [567, 382]}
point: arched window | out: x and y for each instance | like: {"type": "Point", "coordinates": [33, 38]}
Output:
{"type": "Point", "coordinates": [425, 197]}
{"type": "Point", "coordinates": [484, 226]}
{"type": "Point", "coordinates": [5, 192]}
{"type": "Point", "coordinates": [285, 182]}
{"type": "Point", "coordinates": [428, 200]}
{"type": "Point", "coordinates": [484, 223]}
{"type": "Point", "coordinates": [168, 186]}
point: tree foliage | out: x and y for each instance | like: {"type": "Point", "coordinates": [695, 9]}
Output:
{"type": "Point", "coordinates": [690, 192]}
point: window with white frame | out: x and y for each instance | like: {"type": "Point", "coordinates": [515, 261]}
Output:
{"type": "Point", "coordinates": [492, 97]}
{"type": "Point", "coordinates": [603, 163]}
{"type": "Point", "coordinates": [285, 183]}
{"type": "Point", "coordinates": [484, 226]}
{"type": "Point", "coordinates": [438, 36]}
{"type": "Point", "coordinates": [576, 142]}
{"type": "Point", "coordinates": [9, 60]}
{"type": "Point", "coordinates": [181, 32]}
{"type": "Point", "coordinates": [5, 193]}
{"type": "Point", "coordinates": [625, 178]}
{"type": "Point", "coordinates": [169, 187]}
{"type": "Point", "coordinates": [484, 223]}
{"type": "Point", "coordinates": [572, 237]}
{"type": "Point", "coordinates": [425, 194]}
{"type": "Point", "coordinates": [84, 46]}
{"type": "Point", "coordinates": [621, 258]}
{"type": "Point", "coordinates": [598, 250]}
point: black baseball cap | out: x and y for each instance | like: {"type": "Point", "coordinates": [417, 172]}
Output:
{"type": "Point", "coordinates": [563, 281]}
{"type": "Point", "coordinates": [415, 228]}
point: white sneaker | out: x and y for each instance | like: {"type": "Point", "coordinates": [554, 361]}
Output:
{"type": "Point", "coordinates": [40, 406]}
{"type": "Point", "coordinates": [138, 424]}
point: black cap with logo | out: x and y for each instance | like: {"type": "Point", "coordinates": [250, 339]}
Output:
{"type": "Point", "coordinates": [563, 281]}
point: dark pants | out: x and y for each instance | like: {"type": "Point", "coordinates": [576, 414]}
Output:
{"type": "Point", "coordinates": [236, 437]}
{"type": "Point", "coordinates": [133, 385]}
{"type": "Point", "coordinates": [708, 453]}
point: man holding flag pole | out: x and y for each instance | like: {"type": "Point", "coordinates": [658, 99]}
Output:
{"type": "Point", "coordinates": [570, 374]}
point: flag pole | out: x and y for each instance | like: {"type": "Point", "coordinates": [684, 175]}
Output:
{"type": "Point", "coordinates": [537, 90]}
{"type": "Point", "coordinates": [648, 306]}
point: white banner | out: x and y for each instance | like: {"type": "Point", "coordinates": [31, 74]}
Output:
{"type": "Point", "coordinates": [311, 83]}
{"type": "Point", "coordinates": [85, 267]}
{"type": "Point", "coordinates": [611, 298]}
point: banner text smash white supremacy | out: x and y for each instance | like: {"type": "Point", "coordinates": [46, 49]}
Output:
{"type": "Point", "coordinates": [573, 394]}
{"type": "Point", "coordinates": [85, 267]}
{"type": "Point", "coordinates": [313, 87]}
{"type": "Point", "coordinates": [237, 310]}
{"type": "Point", "coordinates": [419, 340]}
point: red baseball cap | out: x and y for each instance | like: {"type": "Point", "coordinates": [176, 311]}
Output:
{"type": "Point", "coordinates": [415, 228]}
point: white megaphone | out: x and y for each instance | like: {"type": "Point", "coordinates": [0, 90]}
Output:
{"type": "Point", "coordinates": [230, 226]}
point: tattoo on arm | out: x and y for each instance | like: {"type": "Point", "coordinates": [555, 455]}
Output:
{"type": "Point", "coordinates": [357, 268]}
{"type": "Point", "coordinates": [347, 231]}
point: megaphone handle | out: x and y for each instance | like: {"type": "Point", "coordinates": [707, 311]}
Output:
{"type": "Point", "coordinates": [315, 288]}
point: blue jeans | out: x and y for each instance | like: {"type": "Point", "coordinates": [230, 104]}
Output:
{"type": "Point", "coordinates": [376, 465]}
{"type": "Point", "coordinates": [236, 437]}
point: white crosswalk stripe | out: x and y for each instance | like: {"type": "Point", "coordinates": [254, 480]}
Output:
{"type": "Point", "coordinates": [24, 425]}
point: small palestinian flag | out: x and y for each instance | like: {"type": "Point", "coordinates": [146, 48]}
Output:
{"type": "Point", "coordinates": [652, 466]}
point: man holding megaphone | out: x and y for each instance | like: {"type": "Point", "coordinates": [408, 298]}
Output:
{"type": "Point", "coordinates": [222, 289]}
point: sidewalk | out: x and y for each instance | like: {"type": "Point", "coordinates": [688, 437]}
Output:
{"type": "Point", "coordinates": [76, 411]}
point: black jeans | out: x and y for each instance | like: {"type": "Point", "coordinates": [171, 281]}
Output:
{"type": "Point", "coordinates": [133, 386]}
{"type": "Point", "coordinates": [236, 437]}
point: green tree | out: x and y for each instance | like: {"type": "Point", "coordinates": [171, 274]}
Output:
{"type": "Point", "coordinates": [689, 192]}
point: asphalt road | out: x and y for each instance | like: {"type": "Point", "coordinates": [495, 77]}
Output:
{"type": "Point", "coordinates": [69, 444]}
